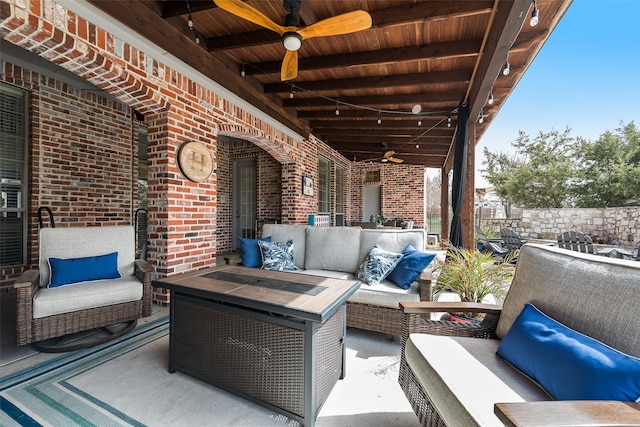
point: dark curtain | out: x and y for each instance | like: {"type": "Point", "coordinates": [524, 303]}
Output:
{"type": "Point", "coordinates": [459, 173]}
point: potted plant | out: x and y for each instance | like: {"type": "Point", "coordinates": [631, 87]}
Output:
{"type": "Point", "coordinates": [473, 275]}
{"type": "Point", "coordinates": [378, 219]}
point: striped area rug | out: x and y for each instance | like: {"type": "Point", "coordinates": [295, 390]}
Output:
{"type": "Point", "coordinates": [126, 383]}
{"type": "Point", "coordinates": [43, 395]}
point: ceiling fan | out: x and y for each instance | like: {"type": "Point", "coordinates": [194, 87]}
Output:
{"type": "Point", "coordinates": [388, 157]}
{"type": "Point", "coordinates": [292, 34]}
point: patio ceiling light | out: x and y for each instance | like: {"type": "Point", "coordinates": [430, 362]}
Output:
{"type": "Point", "coordinates": [491, 96]}
{"type": "Point", "coordinates": [534, 15]}
{"type": "Point", "coordinates": [506, 68]}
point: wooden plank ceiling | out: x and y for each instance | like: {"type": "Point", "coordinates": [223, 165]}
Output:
{"type": "Point", "coordinates": [431, 54]}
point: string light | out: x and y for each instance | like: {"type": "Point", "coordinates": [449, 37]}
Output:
{"type": "Point", "coordinates": [534, 15]}
{"type": "Point", "coordinates": [481, 118]}
{"type": "Point", "coordinates": [507, 68]}
{"type": "Point", "coordinates": [291, 93]}
{"type": "Point", "coordinates": [191, 25]}
{"type": "Point", "coordinates": [449, 121]}
{"type": "Point", "coordinates": [417, 145]}
{"type": "Point", "coordinates": [491, 96]}
{"type": "Point", "coordinates": [337, 109]}
{"type": "Point", "coordinates": [379, 119]}
{"type": "Point", "coordinates": [242, 71]}
{"type": "Point", "coordinates": [419, 121]}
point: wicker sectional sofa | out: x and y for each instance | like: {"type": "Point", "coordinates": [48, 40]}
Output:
{"type": "Point", "coordinates": [338, 251]}
{"type": "Point", "coordinates": [452, 378]}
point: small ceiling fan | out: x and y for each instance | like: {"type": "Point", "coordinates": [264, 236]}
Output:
{"type": "Point", "coordinates": [388, 157]}
{"type": "Point", "coordinates": [292, 34]}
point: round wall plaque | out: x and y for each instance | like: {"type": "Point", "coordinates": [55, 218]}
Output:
{"type": "Point", "coordinates": [195, 161]}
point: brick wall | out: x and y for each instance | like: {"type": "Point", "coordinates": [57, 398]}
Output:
{"type": "Point", "coordinates": [402, 191]}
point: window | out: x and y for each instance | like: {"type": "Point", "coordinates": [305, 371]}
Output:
{"type": "Point", "coordinates": [324, 186]}
{"type": "Point", "coordinates": [372, 176]}
{"type": "Point", "coordinates": [339, 196]}
{"type": "Point", "coordinates": [13, 176]}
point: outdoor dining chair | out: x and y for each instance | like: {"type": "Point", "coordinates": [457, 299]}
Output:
{"type": "Point", "coordinates": [575, 241]}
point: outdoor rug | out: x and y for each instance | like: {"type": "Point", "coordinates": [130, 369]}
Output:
{"type": "Point", "coordinates": [126, 383]}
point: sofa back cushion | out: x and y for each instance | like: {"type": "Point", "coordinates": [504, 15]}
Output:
{"type": "Point", "coordinates": [78, 242]}
{"type": "Point", "coordinates": [594, 295]}
{"type": "Point", "coordinates": [390, 240]}
{"type": "Point", "coordinates": [286, 232]}
{"type": "Point", "coordinates": [333, 248]}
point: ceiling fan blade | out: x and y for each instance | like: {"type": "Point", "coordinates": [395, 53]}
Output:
{"type": "Point", "coordinates": [395, 160]}
{"type": "Point", "coordinates": [342, 24]}
{"type": "Point", "coordinates": [289, 69]}
{"type": "Point", "coordinates": [389, 154]}
{"type": "Point", "coordinates": [247, 12]}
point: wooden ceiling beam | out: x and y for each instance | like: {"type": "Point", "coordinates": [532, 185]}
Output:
{"type": "Point", "coordinates": [178, 8]}
{"type": "Point", "coordinates": [432, 51]}
{"type": "Point", "coordinates": [400, 80]}
{"type": "Point", "coordinates": [426, 117]}
{"type": "Point", "coordinates": [424, 99]}
{"type": "Point", "coordinates": [415, 13]}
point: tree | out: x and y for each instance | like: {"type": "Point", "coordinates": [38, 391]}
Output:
{"type": "Point", "coordinates": [539, 175]}
{"type": "Point", "coordinates": [609, 169]}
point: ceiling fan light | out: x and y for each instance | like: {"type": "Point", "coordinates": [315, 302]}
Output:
{"type": "Point", "coordinates": [292, 41]}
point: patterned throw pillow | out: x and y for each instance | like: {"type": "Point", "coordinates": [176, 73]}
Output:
{"type": "Point", "coordinates": [277, 255]}
{"type": "Point", "coordinates": [378, 264]}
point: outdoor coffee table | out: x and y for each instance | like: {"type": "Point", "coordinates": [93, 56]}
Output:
{"type": "Point", "coordinates": [275, 338]}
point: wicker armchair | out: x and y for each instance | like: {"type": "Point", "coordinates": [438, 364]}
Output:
{"type": "Point", "coordinates": [452, 378]}
{"type": "Point", "coordinates": [90, 311]}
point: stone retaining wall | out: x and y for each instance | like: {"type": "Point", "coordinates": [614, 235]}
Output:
{"type": "Point", "coordinates": [605, 225]}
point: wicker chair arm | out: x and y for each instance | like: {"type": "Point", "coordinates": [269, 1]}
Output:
{"type": "Point", "coordinates": [416, 319]}
{"type": "Point", "coordinates": [425, 285]}
{"type": "Point", "coordinates": [29, 278]}
{"type": "Point", "coordinates": [144, 270]}
{"type": "Point", "coordinates": [26, 287]}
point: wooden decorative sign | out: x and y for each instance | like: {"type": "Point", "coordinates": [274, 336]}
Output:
{"type": "Point", "coordinates": [195, 161]}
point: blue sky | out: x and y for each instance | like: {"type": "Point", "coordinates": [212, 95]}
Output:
{"type": "Point", "coordinates": [586, 77]}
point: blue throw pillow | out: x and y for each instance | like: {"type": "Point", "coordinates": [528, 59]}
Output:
{"type": "Point", "coordinates": [566, 363]}
{"type": "Point", "coordinates": [412, 263]}
{"type": "Point", "coordinates": [250, 251]}
{"type": "Point", "coordinates": [65, 271]}
{"type": "Point", "coordinates": [277, 255]}
{"type": "Point", "coordinates": [377, 266]}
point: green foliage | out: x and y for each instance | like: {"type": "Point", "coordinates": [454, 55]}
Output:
{"type": "Point", "coordinates": [610, 169]}
{"type": "Point", "coordinates": [473, 275]}
{"type": "Point", "coordinates": [379, 219]}
{"type": "Point", "coordinates": [556, 170]}
{"type": "Point", "coordinates": [538, 175]}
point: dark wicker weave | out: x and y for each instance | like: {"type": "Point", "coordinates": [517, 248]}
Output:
{"type": "Point", "coordinates": [258, 356]}
{"type": "Point", "coordinates": [383, 319]}
{"type": "Point", "coordinates": [32, 330]}
{"type": "Point", "coordinates": [416, 320]}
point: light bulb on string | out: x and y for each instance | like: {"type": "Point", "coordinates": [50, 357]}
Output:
{"type": "Point", "coordinates": [507, 68]}
{"type": "Point", "coordinates": [448, 121]}
{"type": "Point", "coordinates": [534, 15]}
{"type": "Point", "coordinates": [491, 97]}
{"type": "Point", "coordinates": [242, 71]}
{"type": "Point", "coordinates": [291, 93]}
{"type": "Point", "coordinates": [379, 118]}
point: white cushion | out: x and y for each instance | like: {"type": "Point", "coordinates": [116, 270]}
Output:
{"type": "Point", "coordinates": [328, 273]}
{"type": "Point", "coordinates": [76, 242]}
{"type": "Point", "coordinates": [390, 240]}
{"type": "Point", "coordinates": [332, 248]}
{"type": "Point", "coordinates": [83, 295]}
{"type": "Point", "coordinates": [285, 232]}
{"type": "Point", "coordinates": [386, 294]}
{"type": "Point", "coordinates": [464, 378]}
